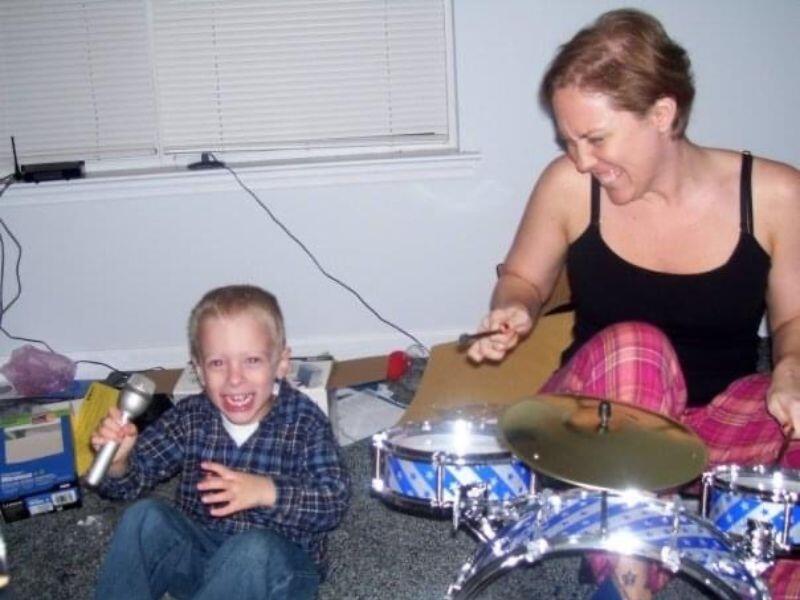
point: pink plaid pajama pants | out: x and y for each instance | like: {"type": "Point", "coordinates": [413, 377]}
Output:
{"type": "Point", "coordinates": [635, 363]}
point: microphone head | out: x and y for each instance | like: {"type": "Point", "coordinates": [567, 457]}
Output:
{"type": "Point", "coordinates": [136, 394]}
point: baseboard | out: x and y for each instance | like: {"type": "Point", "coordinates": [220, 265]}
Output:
{"type": "Point", "coordinates": [171, 357]}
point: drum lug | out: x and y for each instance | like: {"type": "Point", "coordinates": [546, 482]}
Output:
{"type": "Point", "coordinates": [759, 545]}
{"type": "Point", "coordinates": [535, 549]}
{"type": "Point", "coordinates": [705, 496]}
{"type": "Point", "coordinates": [471, 505]}
{"type": "Point", "coordinates": [671, 558]}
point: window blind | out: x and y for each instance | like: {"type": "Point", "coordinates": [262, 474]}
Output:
{"type": "Point", "coordinates": [77, 81]}
{"type": "Point", "coordinates": [97, 78]}
{"type": "Point", "coordinates": [249, 74]}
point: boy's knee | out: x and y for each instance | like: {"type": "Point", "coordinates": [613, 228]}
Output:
{"type": "Point", "coordinates": [276, 559]}
{"type": "Point", "coordinates": [147, 512]}
{"type": "Point", "coordinates": [258, 548]}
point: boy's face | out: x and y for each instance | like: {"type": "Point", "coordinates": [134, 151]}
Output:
{"type": "Point", "coordinates": [239, 364]}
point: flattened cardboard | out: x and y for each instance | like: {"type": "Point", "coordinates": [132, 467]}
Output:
{"type": "Point", "coordinates": [452, 381]}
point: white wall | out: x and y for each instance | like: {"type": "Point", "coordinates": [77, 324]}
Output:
{"type": "Point", "coordinates": [110, 271]}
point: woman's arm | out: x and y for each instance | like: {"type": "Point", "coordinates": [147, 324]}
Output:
{"type": "Point", "coordinates": [535, 259]}
{"type": "Point", "coordinates": [777, 193]}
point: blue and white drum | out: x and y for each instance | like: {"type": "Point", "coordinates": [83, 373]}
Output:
{"type": "Point", "coordinates": [579, 521]}
{"type": "Point", "coordinates": [732, 495]}
{"type": "Point", "coordinates": [427, 465]}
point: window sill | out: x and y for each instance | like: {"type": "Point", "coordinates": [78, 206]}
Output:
{"type": "Point", "coordinates": [288, 174]}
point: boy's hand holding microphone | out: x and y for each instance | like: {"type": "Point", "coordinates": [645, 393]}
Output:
{"type": "Point", "coordinates": [115, 436]}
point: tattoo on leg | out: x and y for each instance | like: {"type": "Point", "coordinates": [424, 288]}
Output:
{"type": "Point", "coordinates": [628, 579]}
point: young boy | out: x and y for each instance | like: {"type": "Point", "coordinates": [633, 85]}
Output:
{"type": "Point", "coordinates": [260, 478]}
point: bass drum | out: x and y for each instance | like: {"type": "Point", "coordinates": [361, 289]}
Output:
{"type": "Point", "coordinates": [580, 521]}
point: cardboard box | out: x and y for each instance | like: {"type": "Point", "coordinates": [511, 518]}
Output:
{"type": "Point", "coordinates": [358, 371]}
{"type": "Point", "coordinates": [37, 461]}
{"type": "Point", "coordinates": [310, 376]}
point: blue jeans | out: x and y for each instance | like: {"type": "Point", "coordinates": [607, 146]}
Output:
{"type": "Point", "coordinates": [157, 549]}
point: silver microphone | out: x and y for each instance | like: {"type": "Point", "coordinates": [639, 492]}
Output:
{"type": "Point", "coordinates": [134, 398]}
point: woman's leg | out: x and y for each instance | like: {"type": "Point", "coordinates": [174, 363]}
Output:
{"type": "Point", "coordinates": [628, 362]}
{"type": "Point", "coordinates": [636, 364]}
{"type": "Point", "coordinates": [260, 564]}
{"type": "Point", "coordinates": [736, 427]}
{"type": "Point", "coordinates": [783, 580]}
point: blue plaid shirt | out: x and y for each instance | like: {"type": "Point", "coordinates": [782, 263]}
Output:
{"type": "Point", "coordinates": [293, 444]}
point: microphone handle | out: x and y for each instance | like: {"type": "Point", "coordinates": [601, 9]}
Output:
{"type": "Point", "coordinates": [103, 459]}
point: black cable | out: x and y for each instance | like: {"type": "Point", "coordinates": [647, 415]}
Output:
{"type": "Point", "coordinates": [86, 361]}
{"type": "Point", "coordinates": [98, 362]}
{"type": "Point", "coordinates": [7, 181]}
{"type": "Point", "coordinates": [25, 339]}
{"type": "Point", "coordinates": [2, 275]}
{"type": "Point", "coordinates": [313, 258]}
{"type": "Point", "coordinates": [6, 307]}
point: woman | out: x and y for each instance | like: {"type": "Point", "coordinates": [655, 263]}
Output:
{"type": "Point", "coordinates": [673, 251]}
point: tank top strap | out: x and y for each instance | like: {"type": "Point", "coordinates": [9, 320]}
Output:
{"type": "Point", "coordinates": [595, 215]}
{"type": "Point", "coordinates": [746, 194]}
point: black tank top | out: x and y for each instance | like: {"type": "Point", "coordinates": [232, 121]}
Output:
{"type": "Point", "coordinates": [711, 318]}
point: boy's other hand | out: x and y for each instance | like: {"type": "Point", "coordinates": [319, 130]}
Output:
{"type": "Point", "coordinates": [228, 491]}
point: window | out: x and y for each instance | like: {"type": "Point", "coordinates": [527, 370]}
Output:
{"type": "Point", "coordinates": [156, 82]}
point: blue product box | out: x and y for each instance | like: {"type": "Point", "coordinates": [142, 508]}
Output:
{"type": "Point", "coordinates": [37, 460]}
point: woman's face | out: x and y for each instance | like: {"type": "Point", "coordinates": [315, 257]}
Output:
{"type": "Point", "coordinates": [620, 149]}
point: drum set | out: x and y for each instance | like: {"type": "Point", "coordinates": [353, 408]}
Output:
{"type": "Point", "coordinates": [613, 472]}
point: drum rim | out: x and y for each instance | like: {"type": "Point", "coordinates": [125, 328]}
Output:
{"type": "Point", "coordinates": [495, 565]}
{"type": "Point", "coordinates": [385, 441]}
{"type": "Point", "coordinates": [480, 577]}
{"type": "Point", "coordinates": [775, 494]}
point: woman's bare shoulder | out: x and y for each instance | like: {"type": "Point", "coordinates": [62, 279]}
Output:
{"type": "Point", "coordinates": [561, 172]}
{"type": "Point", "coordinates": [779, 178]}
{"type": "Point", "coordinates": [772, 180]}
{"type": "Point", "coordinates": [561, 185]}
{"type": "Point", "coordinates": [776, 200]}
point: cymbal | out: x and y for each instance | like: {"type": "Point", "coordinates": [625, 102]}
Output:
{"type": "Point", "coordinates": [569, 439]}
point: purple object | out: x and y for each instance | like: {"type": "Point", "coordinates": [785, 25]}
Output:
{"type": "Point", "coordinates": [33, 372]}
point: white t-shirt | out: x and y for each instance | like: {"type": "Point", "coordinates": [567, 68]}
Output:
{"type": "Point", "coordinates": [239, 433]}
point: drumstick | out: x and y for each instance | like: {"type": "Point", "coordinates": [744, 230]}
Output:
{"type": "Point", "coordinates": [465, 339]}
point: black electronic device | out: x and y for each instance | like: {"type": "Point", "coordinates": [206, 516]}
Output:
{"type": "Point", "coordinates": [46, 171]}
{"type": "Point", "coordinates": [52, 171]}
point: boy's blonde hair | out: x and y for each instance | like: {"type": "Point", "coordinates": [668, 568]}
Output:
{"type": "Point", "coordinates": [231, 300]}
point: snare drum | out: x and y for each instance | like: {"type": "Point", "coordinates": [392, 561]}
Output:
{"type": "Point", "coordinates": [427, 465]}
{"type": "Point", "coordinates": [580, 521]}
{"type": "Point", "coordinates": [732, 495]}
